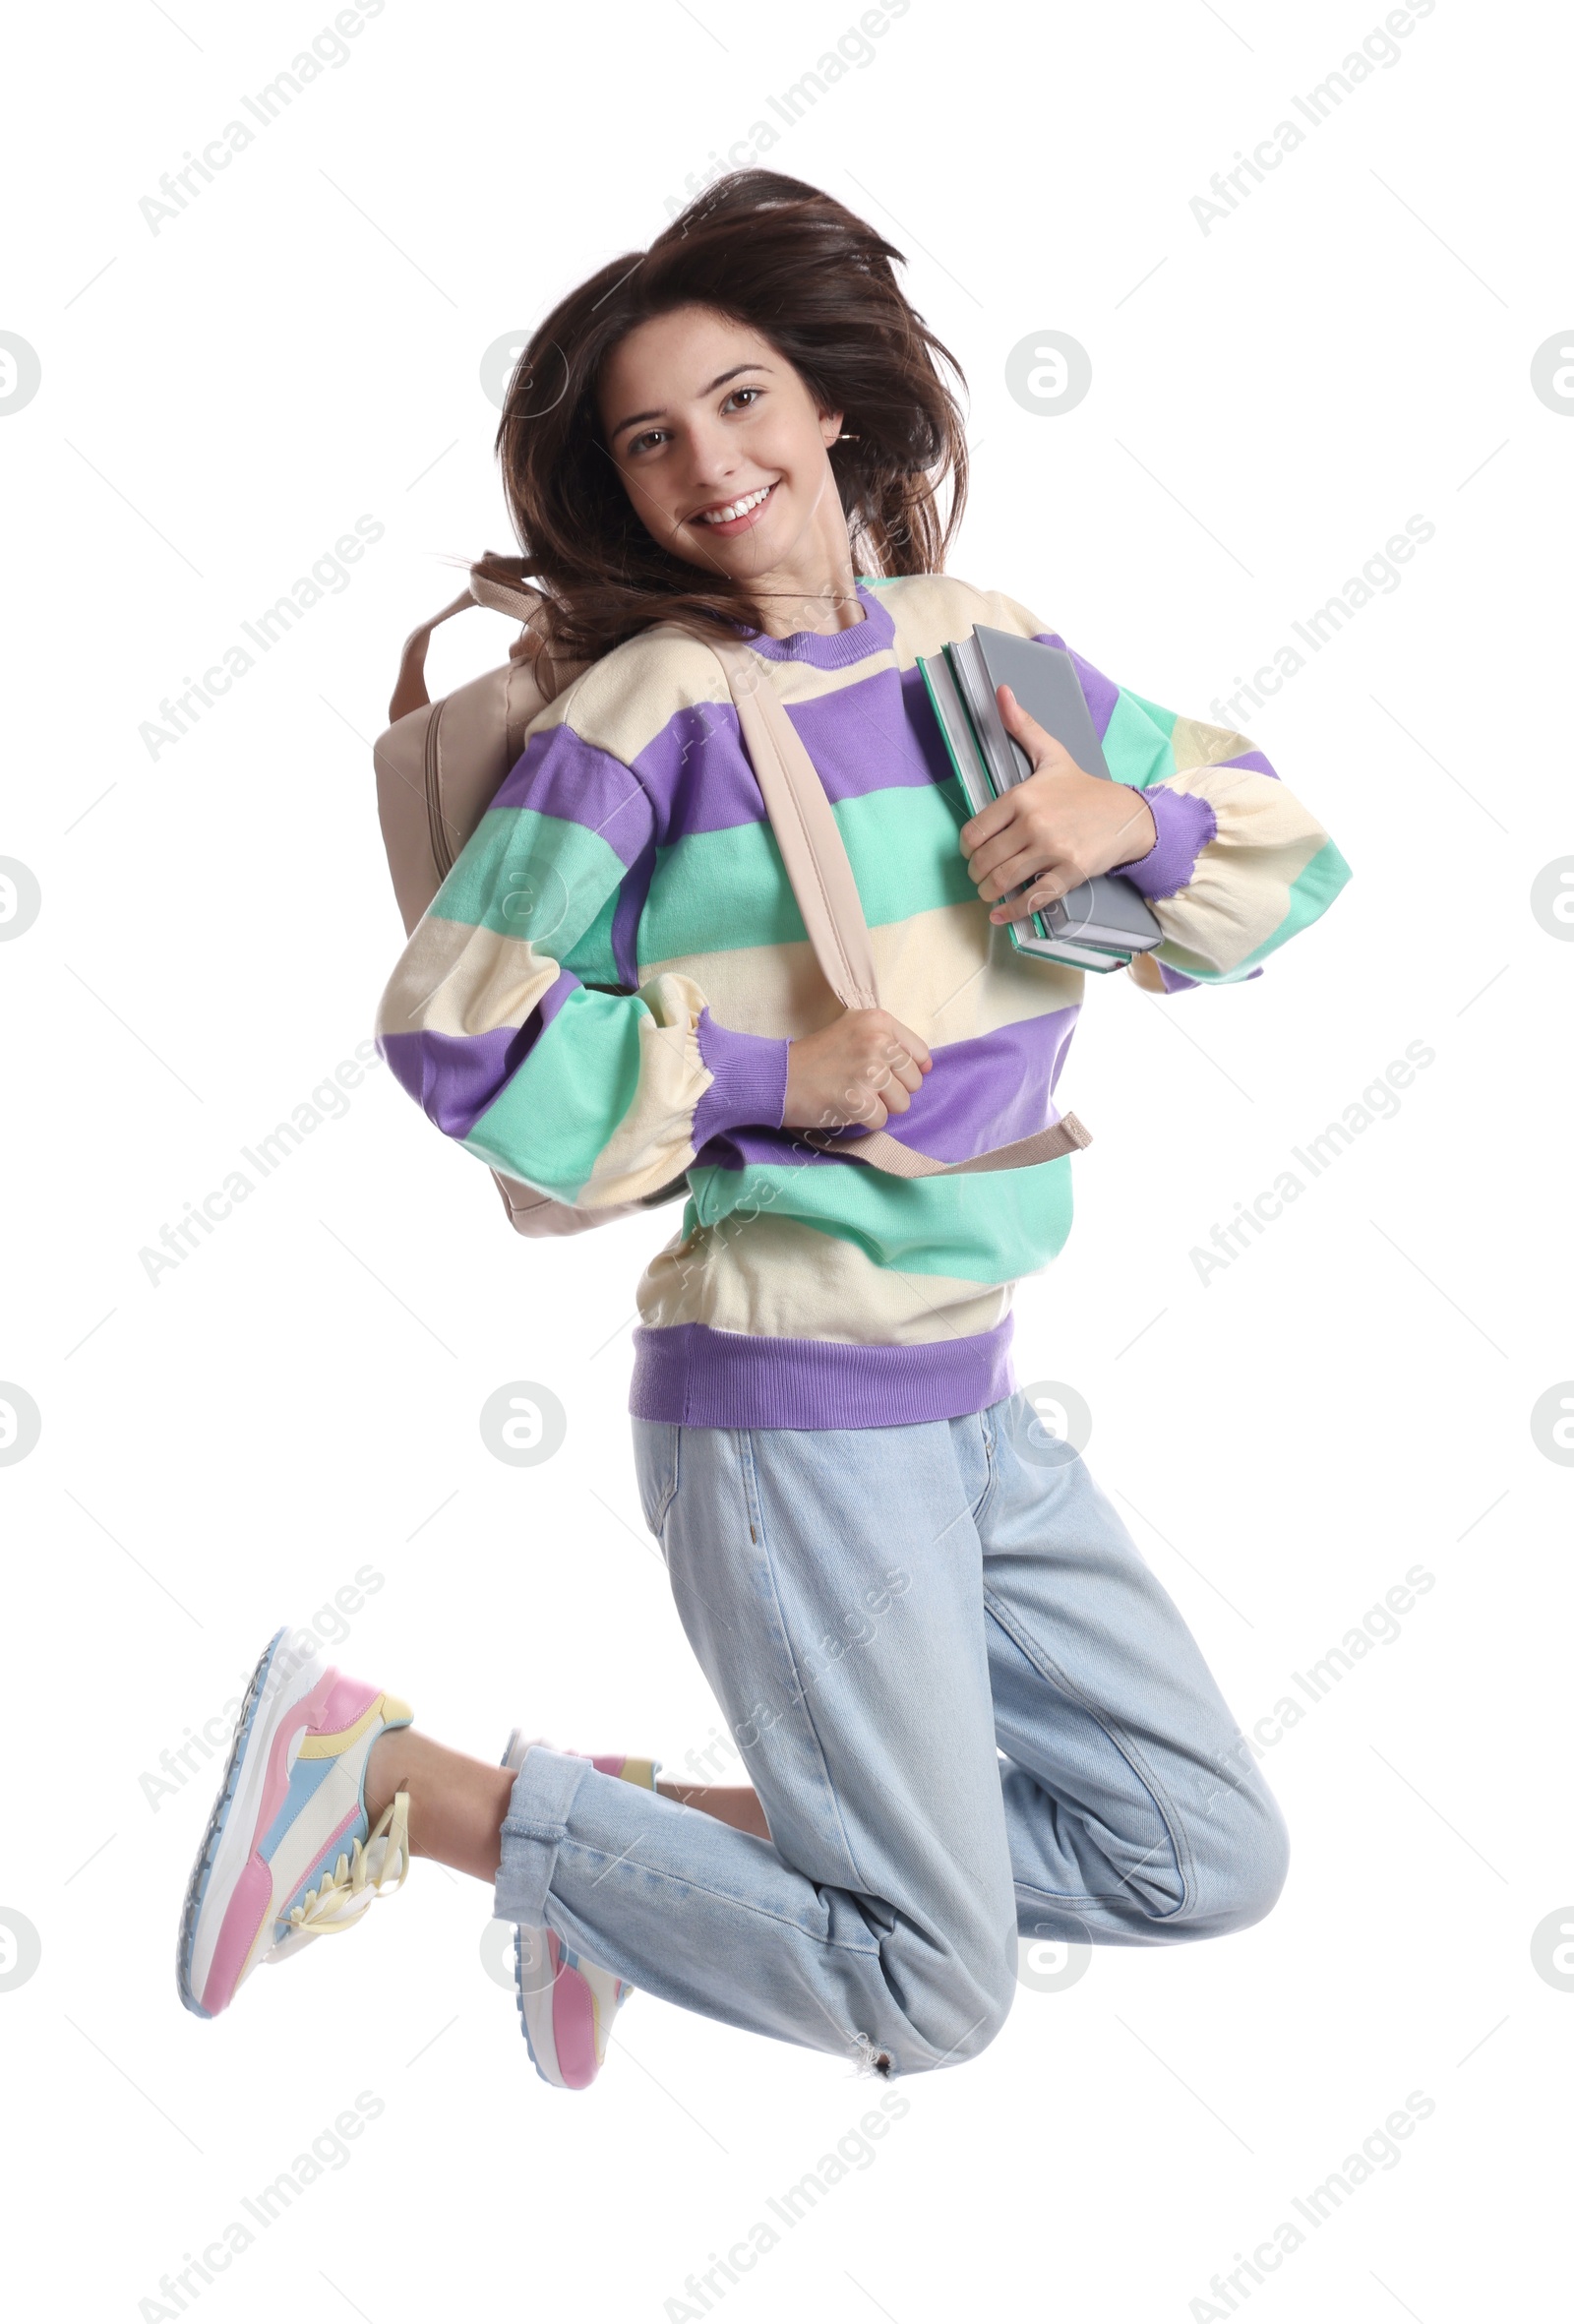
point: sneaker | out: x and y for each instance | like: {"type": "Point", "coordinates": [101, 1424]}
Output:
{"type": "Point", "coordinates": [567, 2004]}
{"type": "Point", "coordinates": [288, 1855]}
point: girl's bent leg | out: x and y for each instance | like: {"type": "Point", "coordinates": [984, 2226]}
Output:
{"type": "Point", "coordinates": [1136, 1813]}
{"type": "Point", "coordinates": [457, 1803]}
{"type": "Point", "coordinates": [830, 1585]}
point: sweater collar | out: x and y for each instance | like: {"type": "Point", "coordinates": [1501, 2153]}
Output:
{"type": "Point", "coordinates": [835, 650]}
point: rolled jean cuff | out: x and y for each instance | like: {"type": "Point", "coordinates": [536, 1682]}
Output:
{"type": "Point", "coordinates": [532, 1831]}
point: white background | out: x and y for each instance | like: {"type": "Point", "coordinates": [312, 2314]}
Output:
{"type": "Point", "coordinates": [220, 1452]}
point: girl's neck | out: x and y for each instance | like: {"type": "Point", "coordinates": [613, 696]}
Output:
{"type": "Point", "coordinates": [812, 585]}
{"type": "Point", "coordinates": [790, 611]}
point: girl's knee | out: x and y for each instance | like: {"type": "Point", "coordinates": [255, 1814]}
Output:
{"type": "Point", "coordinates": [1249, 1860]}
{"type": "Point", "coordinates": [957, 2010]}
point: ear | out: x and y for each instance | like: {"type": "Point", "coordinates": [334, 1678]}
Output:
{"type": "Point", "coordinates": [830, 427]}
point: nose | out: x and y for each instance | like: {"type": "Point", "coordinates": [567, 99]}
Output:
{"type": "Point", "coordinates": [714, 461]}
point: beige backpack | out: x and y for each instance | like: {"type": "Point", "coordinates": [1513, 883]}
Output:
{"type": "Point", "coordinates": [440, 764]}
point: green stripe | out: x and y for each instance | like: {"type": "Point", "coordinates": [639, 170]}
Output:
{"type": "Point", "coordinates": [1136, 750]}
{"type": "Point", "coordinates": [590, 957]}
{"type": "Point", "coordinates": [721, 891]}
{"type": "Point", "coordinates": [565, 1102]}
{"type": "Point", "coordinates": [1311, 894]}
{"type": "Point", "coordinates": [1307, 899]}
{"type": "Point", "coordinates": [529, 875]}
{"type": "Point", "coordinates": [1165, 720]}
{"type": "Point", "coordinates": [982, 1232]}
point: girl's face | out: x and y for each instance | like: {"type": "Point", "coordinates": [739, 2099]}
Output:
{"type": "Point", "coordinates": [722, 451]}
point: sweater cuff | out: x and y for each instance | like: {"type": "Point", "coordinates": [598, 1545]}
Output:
{"type": "Point", "coordinates": [1185, 825]}
{"type": "Point", "coordinates": [749, 1085]}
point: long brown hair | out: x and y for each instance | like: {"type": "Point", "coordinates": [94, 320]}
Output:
{"type": "Point", "coordinates": [815, 282]}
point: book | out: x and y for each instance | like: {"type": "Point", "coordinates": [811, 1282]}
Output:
{"type": "Point", "coordinates": [1100, 924]}
{"type": "Point", "coordinates": [978, 791]}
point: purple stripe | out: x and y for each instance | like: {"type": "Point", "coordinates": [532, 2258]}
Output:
{"type": "Point", "coordinates": [732, 1379]}
{"type": "Point", "coordinates": [978, 1094]}
{"type": "Point", "coordinates": [867, 735]}
{"type": "Point", "coordinates": [696, 774]}
{"type": "Point", "coordinates": [1175, 982]}
{"type": "Point", "coordinates": [918, 713]}
{"type": "Point", "coordinates": [874, 734]}
{"type": "Point", "coordinates": [1185, 825]}
{"type": "Point", "coordinates": [871, 736]}
{"type": "Point", "coordinates": [564, 775]}
{"type": "Point", "coordinates": [837, 649]}
{"type": "Point", "coordinates": [1101, 692]}
{"type": "Point", "coordinates": [454, 1077]}
{"type": "Point", "coordinates": [1252, 759]}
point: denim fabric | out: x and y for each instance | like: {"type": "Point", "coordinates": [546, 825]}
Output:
{"type": "Point", "coordinates": [969, 1709]}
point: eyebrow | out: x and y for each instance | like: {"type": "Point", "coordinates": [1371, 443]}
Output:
{"type": "Point", "coordinates": [719, 381]}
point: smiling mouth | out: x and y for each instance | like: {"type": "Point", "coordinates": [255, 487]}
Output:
{"type": "Point", "coordinates": [732, 516]}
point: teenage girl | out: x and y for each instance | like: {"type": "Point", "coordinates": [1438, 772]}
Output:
{"type": "Point", "coordinates": [967, 1707]}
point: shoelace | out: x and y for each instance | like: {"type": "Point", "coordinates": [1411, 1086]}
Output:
{"type": "Point", "coordinates": [343, 1895]}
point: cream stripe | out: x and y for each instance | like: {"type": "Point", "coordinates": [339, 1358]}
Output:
{"type": "Point", "coordinates": [781, 1279]}
{"type": "Point", "coordinates": [929, 968]}
{"type": "Point", "coordinates": [622, 702]}
{"type": "Point", "coordinates": [457, 980]}
{"type": "Point", "coordinates": [460, 980]}
{"type": "Point", "coordinates": [932, 610]}
{"type": "Point", "coordinates": [1195, 744]}
{"type": "Point", "coordinates": [653, 1142]}
{"type": "Point", "coordinates": [1238, 892]}
{"type": "Point", "coordinates": [464, 981]}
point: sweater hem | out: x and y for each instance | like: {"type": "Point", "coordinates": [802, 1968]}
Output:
{"type": "Point", "coordinates": [701, 1378]}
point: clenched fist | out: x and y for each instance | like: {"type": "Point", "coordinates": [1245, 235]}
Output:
{"type": "Point", "coordinates": [861, 1068]}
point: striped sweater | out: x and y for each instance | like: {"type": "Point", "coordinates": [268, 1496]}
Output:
{"type": "Point", "coordinates": [630, 847]}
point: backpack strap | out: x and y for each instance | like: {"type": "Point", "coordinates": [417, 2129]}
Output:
{"type": "Point", "coordinates": [889, 1154]}
{"type": "Point", "coordinates": [806, 831]}
{"type": "Point", "coordinates": [822, 877]}
{"type": "Point", "coordinates": [520, 603]}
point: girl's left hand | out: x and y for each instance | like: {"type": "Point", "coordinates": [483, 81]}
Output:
{"type": "Point", "coordinates": [1057, 828]}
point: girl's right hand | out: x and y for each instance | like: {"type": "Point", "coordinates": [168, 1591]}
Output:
{"type": "Point", "coordinates": [861, 1068]}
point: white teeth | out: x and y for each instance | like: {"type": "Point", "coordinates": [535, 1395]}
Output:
{"type": "Point", "coordinates": [737, 508]}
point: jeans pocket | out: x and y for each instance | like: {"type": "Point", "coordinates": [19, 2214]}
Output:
{"type": "Point", "coordinates": [656, 1445]}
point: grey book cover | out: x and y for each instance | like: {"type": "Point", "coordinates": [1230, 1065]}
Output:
{"type": "Point", "coordinates": [1104, 911]}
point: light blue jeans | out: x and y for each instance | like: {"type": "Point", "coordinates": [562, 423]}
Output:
{"type": "Point", "coordinates": [969, 1710]}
